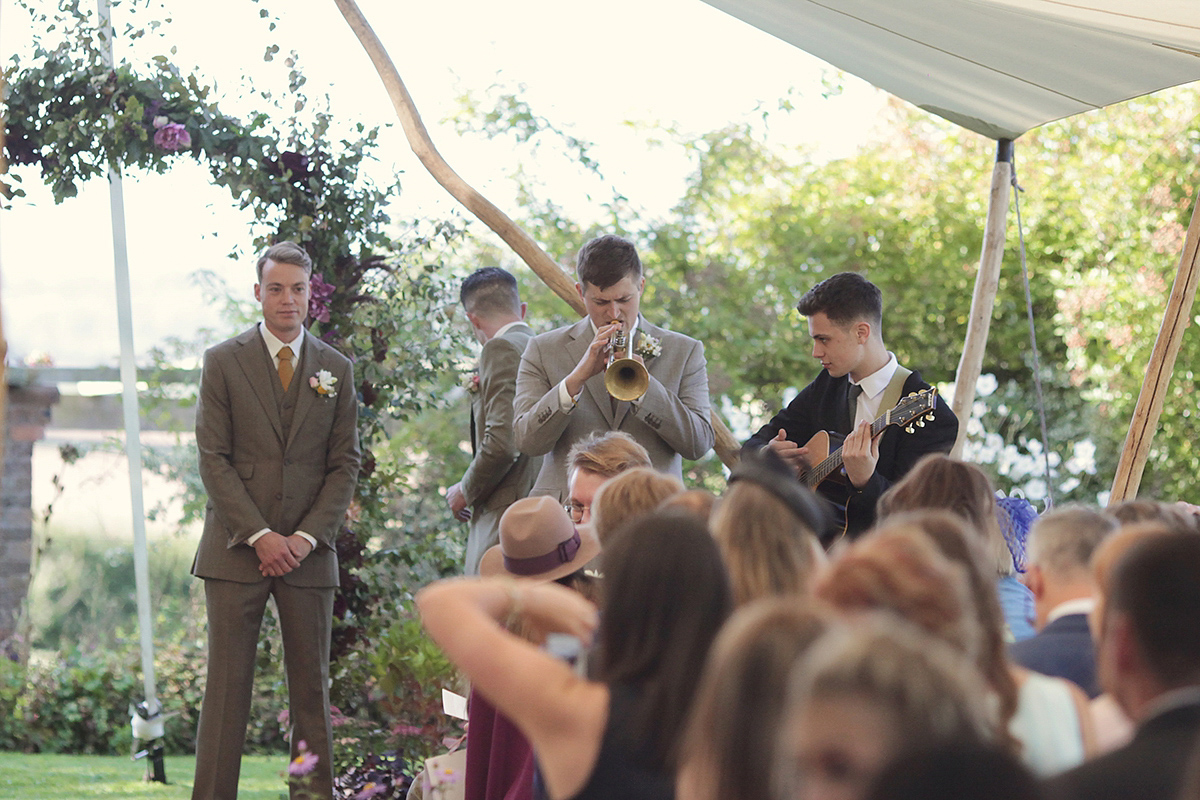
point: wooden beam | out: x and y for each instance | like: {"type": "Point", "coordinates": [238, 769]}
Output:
{"type": "Point", "coordinates": [984, 300]}
{"type": "Point", "coordinates": [1158, 374]}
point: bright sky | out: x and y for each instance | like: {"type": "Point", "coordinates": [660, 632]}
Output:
{"type": "Point", "coordinates": [590, 69]}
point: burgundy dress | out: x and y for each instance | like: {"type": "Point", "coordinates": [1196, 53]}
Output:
{"type": "Point", "coordinates": [499, 758]}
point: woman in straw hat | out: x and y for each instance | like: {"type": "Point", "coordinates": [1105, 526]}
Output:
{"type": "Point", "coordinates": [538, 543]}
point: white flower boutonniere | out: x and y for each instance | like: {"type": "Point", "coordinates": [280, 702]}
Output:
{"type": "Point", "coordinates": [647, 346]}
{"type": "Point", "coordinates": [323, 382]}
{"type": "Point", "coordinates": [471, 382]}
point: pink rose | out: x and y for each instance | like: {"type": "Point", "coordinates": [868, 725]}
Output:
{"type": "Point", "coordinates": [173, 136]}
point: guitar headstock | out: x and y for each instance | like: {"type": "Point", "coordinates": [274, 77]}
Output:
{"type": "Point", "coordinates": [914, 411]}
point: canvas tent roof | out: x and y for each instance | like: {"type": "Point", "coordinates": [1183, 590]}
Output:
{"type": "Point", "coordinates": [997, 67]}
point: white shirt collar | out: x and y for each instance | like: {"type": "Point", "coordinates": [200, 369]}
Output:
{"type": "Point", "coordinates": [1171, 700]}
{"type": "Point", "coordinates": [874, 384]}
{"type": "Point", "coordinates": [1080, 605]}
{"type": "Point", "coordinates": [507, 327]}
{"type": "Point", "coordinates": [274, 344]}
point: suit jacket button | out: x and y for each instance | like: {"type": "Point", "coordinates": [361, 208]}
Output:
{"type": "Point", "coordinates": [279, 496]}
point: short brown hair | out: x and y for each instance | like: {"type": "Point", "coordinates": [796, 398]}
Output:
{"type": "Point", "coordinates": [607, 260]}
{"type": "Point", "coordinates": [845, 298]}
{"type": "Point", "coordinates": [631, 494]}
{"type": "Point", "coordinates": [284, 253]}
{"type": "Point", "coordinates": [607, 454]}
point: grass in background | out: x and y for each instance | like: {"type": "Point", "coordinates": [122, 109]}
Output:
{"type": "Point", "coordinates": [55, 777]}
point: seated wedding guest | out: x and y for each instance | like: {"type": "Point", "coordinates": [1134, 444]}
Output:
{"type": "Point", "coordinates": [1113, 727]}
{"type": "Point", "coordinates": [499, 758]}
{"type": "Point", "coordinates": [731, 736]}
{"type": "Point", "coordinates": [1148, 658]}
{"type": "Point", "coordinates": [594, 459]}
{"type": "Point", "coordinates": [767, 525]}
{"type": "Point", "coordinates": [1177, 516]}
{"type": "Point", "coordinates": [616, 737]}
{"type": "Point", "coordinates": [1045, 719]}
{"type": "Point", "coordinates": [629, 495]}
{"type": "Point", "coordinates": [1059, 574]}
{"type": "Point", "coordinates": [867, 693]}
{"type": "Point", "coordinates": [698, 502]}
{"type": "Point", "coordinates": [956, 771]}
{"type": "Point", "coordinates": [941, 482]}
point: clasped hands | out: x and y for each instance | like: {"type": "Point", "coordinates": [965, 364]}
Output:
{"type": "Point", "coordinates": [278, 554]}
{"type": "Point", "coordinates": [595, 359]}
{"type": "Point", "coordinates": [860, 454]}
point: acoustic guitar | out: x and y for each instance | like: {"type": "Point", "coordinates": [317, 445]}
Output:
{"type": "Point", "coordinates": [910, 413]}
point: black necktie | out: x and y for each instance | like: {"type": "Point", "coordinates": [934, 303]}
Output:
{"type": "Point", "coordinates": [855, 391]}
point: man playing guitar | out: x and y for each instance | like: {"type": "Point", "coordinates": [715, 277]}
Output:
{"type": "Point", "coordinates": [861, 382]}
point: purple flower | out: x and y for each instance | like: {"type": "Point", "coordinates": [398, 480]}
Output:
{"type": "Point", "coordinates": [370, 789]}
{"type": "Point", "coordinates": [172, 136]}
{"type": "Point", "coordinates": [304, 763]}
{"type": "Point", "coordinates": [318, 299]}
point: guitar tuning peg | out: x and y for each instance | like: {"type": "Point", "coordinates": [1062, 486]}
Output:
{"type": "Point", "coordinates": [930, 417]}
{"type": "Point", "coordinates": [909, 429]}
{"type": "Point", "coordinates": [920, 423]}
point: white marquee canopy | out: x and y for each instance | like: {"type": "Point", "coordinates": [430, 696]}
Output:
{"type": "Point", "coordinates": [997, 67]}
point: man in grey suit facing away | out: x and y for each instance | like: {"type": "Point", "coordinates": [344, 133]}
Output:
{"type": "Point", "coordinates": [276, 429]}
{"type": "Point", "coordinates": [498, 474]}
{"type": "Point", "coordinates": [560, 388]}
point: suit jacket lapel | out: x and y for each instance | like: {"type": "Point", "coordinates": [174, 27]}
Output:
{"type": "Point", "coordinates": [256, 365]}
{"type": "Point", "coordinates": [310, 363]}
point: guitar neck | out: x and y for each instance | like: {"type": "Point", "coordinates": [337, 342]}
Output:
{"type": "Point", "coordinates": [833, 461]}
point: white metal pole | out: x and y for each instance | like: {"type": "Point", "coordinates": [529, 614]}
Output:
{"type": "Point", "coordinates": [133, 430]}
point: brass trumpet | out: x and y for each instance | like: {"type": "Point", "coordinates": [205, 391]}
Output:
{"type": "Point", "coordinates": [625, 377]}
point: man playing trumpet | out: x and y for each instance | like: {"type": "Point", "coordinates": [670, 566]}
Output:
{"type": "Point", "coordinates": [561, 395]}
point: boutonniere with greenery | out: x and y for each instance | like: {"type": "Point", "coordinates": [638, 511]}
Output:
{"type": "Point", "coordinates": [647, 346]}
{"type": "Point", "coordinates": [471, 382]}
{"type": "Point", "coordinates": [323, 382]}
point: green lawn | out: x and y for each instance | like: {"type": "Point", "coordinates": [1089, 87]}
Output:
{"type": "Point", "coordinates": [57, 777]}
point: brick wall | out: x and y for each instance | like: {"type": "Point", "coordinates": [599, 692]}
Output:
{"type": "Point", "coordinates": [28, 415]}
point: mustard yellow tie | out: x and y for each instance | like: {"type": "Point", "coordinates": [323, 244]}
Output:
{"type": "Point", "coordinates": [285, 367]}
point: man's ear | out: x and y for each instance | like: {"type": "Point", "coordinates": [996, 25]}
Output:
{"type": "Point", "coordinates": [579, 288]}
{"type": "Point", "coordinates": [524, 308]}
{"type": "Point", "coordinates": [862, 332]}
{"type": "Point", "coordinates": [1035, 580]}
{"type": "Point", "coordinates": [258, 292]}
{"type": "Point", "coordinates": [1127, 654]}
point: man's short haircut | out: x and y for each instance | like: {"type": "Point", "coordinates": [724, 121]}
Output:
{"type": "Point", "coordinates": [1157, 584]}
{"type": "Point", "coordinates": [606, 260]}
{"type": "Point", "coordinates": [607, 454]}
{"type": "Point", "coordinates": [285, 253]}
{"type": "Point", "coordinates": [1062, 541]}
{"type": "Point", "coordinates": [845, 298]}
{"type": "Point", "coordinates": [490, 292]}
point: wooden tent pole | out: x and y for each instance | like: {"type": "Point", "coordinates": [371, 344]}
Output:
{"type": "Point", "coordinates": [1158, 373]}
{"type": "Point", "coordinates": [418, 137]}
{"type": "Point", "coordinates": [984, 300]}
{"type": "Point", "coordinates": [514, 236]}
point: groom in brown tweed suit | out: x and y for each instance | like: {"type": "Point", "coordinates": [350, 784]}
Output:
{"type": "Point", "coordinates": [276, 428]}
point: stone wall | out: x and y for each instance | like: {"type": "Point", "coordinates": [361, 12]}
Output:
{"type": "Point", "coordinates": [28, 415]}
